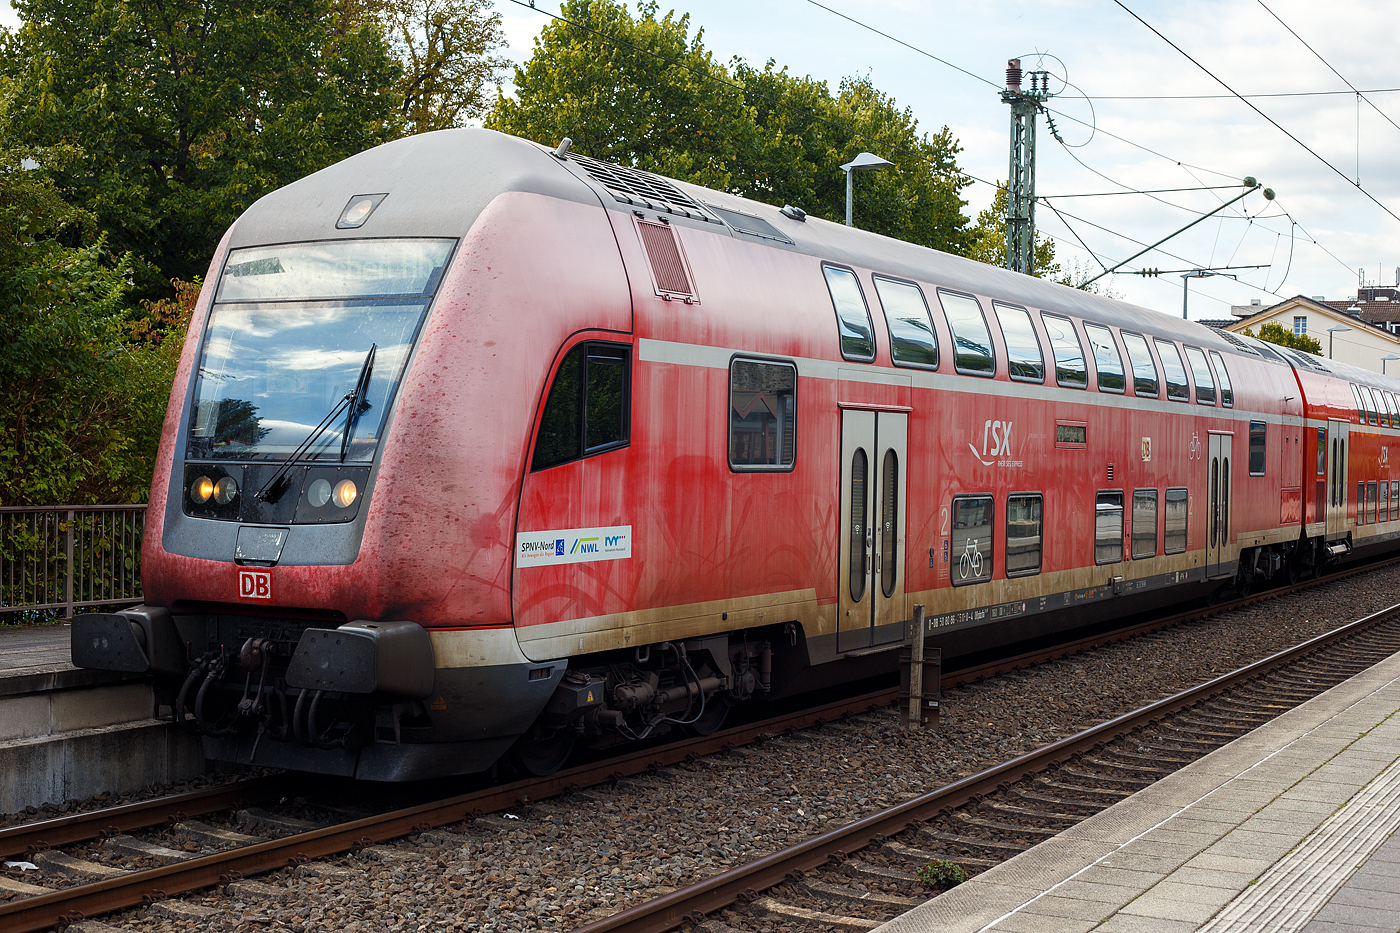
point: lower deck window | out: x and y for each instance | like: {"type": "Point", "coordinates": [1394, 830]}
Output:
{"type": "Point", "coordinates": [1144, 523]}
{"type": "Point", "coordinates": [1023, 534]}
{"type": "Point", "coordinates": [1371, 502]}
{"type": "Point", "coordinates": [1383, 510]}
{"type": "Point", "coordinates": [762, 415]}
{"type": "Point", "coordinates": [1395, 500]}
{"type": "Point", "coordinates": [972, 539]}
{"type": "Point", "coordinates": [1174, 521]}
{"type": "Point", "coordinates": [1257, 431]}
{"type": "Point", "coordinates": [1361, 503]}
{"type": "Point", "coordinates": [1108, 527]}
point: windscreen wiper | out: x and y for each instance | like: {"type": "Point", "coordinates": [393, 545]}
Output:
{"type": "Point", "coordinates": [358, 403]}
{"type": "Point", "coordinates": [277, 484]}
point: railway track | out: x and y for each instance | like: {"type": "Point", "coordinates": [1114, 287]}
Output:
{"type": "Point", "coordinates": [1002, 811]}
{"type": "Point", "coordinates": [241, 854]}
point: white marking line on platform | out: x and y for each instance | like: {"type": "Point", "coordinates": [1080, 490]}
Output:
{"type": "Point", "coordinates": [1296, 887]}
{"type": "Point", "coordinates": [1326, 722]}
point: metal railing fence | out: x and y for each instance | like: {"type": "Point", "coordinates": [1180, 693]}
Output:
{"type": "Point", "coordinates": [54, 559]}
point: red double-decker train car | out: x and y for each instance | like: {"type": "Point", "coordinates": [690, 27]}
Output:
{"type": "Point", "coordinates": [481, 448]}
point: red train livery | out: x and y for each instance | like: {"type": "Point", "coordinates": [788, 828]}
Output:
{"type": "Point", "coordinates": [480, 448]}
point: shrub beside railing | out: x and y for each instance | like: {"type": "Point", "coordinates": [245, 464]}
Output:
{"type": "Point", "coordinates": [55, 559]}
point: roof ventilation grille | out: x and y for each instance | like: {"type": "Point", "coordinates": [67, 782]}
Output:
{"type": "Point", "coordinates": [1238, 342]}
{"type": "Point", "coordinates": [667, 265]}
{"type": "Point", "coordinates": [641, 189]}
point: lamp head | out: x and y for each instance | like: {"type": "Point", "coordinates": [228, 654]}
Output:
{"type": "Point", "coordinates": [867, 160]}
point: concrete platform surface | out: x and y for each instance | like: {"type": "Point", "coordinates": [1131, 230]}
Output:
{"type": "Point", "coordinates": [1293, 828]}
{"type": "Point", "coordinates": [36, 658]}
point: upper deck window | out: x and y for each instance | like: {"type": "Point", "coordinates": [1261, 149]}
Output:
{"type": "Point", "coordinates": [1227, 393]}
{"type": "Point", "coordinates": [1070, 368]}
{"type": "Point", "coordinates": [913, 341]}
{"type": "Point", "coordinates": [1178, 389]}
{"type": "Point", "coordinates": [289, 337]}
{"type": "Point", "coordinates": [972, 342]}
{"type": "Point", "coordinates": [1024, 361]}
{"type": "Point", "coordinates": [852, 316]}
{"type": "Point", "coordinates": [1360, 405]}
{"type": "Point", "coordinates": [1106, 358]}
{"type": "Point", "coordinates": [1145, 381]}
{"type": "Point", "coordinates": [1369, 403]}
{"type": "Point", "coordinates": [1200, 369]}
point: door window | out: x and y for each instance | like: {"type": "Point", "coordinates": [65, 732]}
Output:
{"type": "Point", "coordinates": [860, 550]}
{"type": "Point", "coordinates": [889, 513]}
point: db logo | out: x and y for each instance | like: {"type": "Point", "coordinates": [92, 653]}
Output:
{"type": "Point", "coordinates": [255, 584]}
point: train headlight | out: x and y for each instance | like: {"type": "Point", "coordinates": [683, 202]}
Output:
{"type": "Point", "coordinates": [201, 489]}
{"type": "Point", "coordinates": [345, 493]}
{"type": "Point", "coordinates": [318, 493]}
{"type": "Point", "coordinates": [225, 489]}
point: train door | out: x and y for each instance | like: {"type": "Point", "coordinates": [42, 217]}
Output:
{"type": "Point", "coordinates": [873, 466]}
{"type": "Point", "coordinates": [1218, 504]}
{"type": "Point", "coordinates": [1338, 433]}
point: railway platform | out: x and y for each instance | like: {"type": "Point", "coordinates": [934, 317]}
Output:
{"type": "Point", "coordinates": [69, 733]}
{"type": "Point", "coordinates": [1291, 828]}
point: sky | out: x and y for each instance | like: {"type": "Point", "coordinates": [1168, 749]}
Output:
{"type": "Point", "coordinates": [1136, 114]}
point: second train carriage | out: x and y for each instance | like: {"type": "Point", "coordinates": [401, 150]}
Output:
{"type": "Point", "coordinates": [600, 454]}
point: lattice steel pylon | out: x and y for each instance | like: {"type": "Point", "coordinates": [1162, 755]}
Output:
{"type": "Point", "coordinates": [1020, 183]}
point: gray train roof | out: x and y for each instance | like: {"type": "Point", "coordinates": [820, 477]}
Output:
{"type": "Point", "coordinates": [439, 183]}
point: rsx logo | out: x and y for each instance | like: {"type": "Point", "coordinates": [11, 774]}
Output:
{"type": "Point", "coordinates": [996, 442]}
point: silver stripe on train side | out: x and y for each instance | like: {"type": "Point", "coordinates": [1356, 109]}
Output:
{"type": "Point", "coordinates": [689, 354]}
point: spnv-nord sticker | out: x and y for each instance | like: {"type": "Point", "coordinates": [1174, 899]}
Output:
{"type": "Point", "coordinates": [255, 584]}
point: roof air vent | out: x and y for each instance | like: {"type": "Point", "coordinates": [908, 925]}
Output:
{"type": "Point", "coordinates": [667, 265]}
{"type": "Point", "coordinates": [750, 224]}
{"type": "Point", "coordinates": [641, 189]}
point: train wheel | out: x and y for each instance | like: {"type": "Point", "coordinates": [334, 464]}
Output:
{"type": "Point", "coordinates": [543, 756]}
{"type": "Point", "coordinates": [716, 711]}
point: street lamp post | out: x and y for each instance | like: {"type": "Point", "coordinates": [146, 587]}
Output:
{"type": "Point", "coordinates": [1197, 274]}
{"type": "Point", "coordinates": [1330, 332]}
{"type": "Point", "coordinates": [864, 160]}
{"type": "Point", "coordinates": [1387, 358]}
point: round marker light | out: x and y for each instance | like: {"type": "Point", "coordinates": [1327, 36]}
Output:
{"type": "Point", "coordinates": [345, 493]}
{"type": "Point", "coordinates": [318, 493]}
{"type": "Point", "coordinates": [201, 489]}
{"type": "Point", "coordinates": [224, 490]}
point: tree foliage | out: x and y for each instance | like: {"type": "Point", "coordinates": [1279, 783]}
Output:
{"type": "Point", "coordinates": [82, 394]}
{"type": "Point", "coordinates": [643, 92]}
{"type": "Point", "coordinates": [183, 112]}
{"type": "Point", "coordinates": [1275, 333]}
{"type": "Point", "coordinates": [988, 237]}
{"type": "Point", "coordinates": [449, 53]}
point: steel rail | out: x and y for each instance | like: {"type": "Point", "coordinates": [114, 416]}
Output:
{"type": "Point", "coordinates": [74, 903]}
{"type": "Point", "coordinates": [28, 838]}
{"type": "Point", "coordinates": [724, 889]}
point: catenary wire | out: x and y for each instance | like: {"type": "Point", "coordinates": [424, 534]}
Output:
{"type": "Point", "coordinates": [1372, 198]}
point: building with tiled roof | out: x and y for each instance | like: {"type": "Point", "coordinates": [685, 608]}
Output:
{"type": "Point", "coordinates": [1354, 332]}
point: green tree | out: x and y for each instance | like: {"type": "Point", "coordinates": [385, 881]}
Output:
{"type": "Point", "coordinates": [83, 389]}
{"type": "Point", "coordinates": [609, 83]}
{"type": "Point", "coordinates": [1275, 333]}
{"type": "Point", "coordinates": [183, 112]}
{"type": "Point", "coordinates": [448, 50]}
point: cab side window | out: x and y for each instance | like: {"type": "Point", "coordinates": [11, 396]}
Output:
{"type": "Point", "coordinates": [588, 405]}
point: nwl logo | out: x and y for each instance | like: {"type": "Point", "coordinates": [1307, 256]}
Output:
{"type": "Point", "coordinates": [255, 584]}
